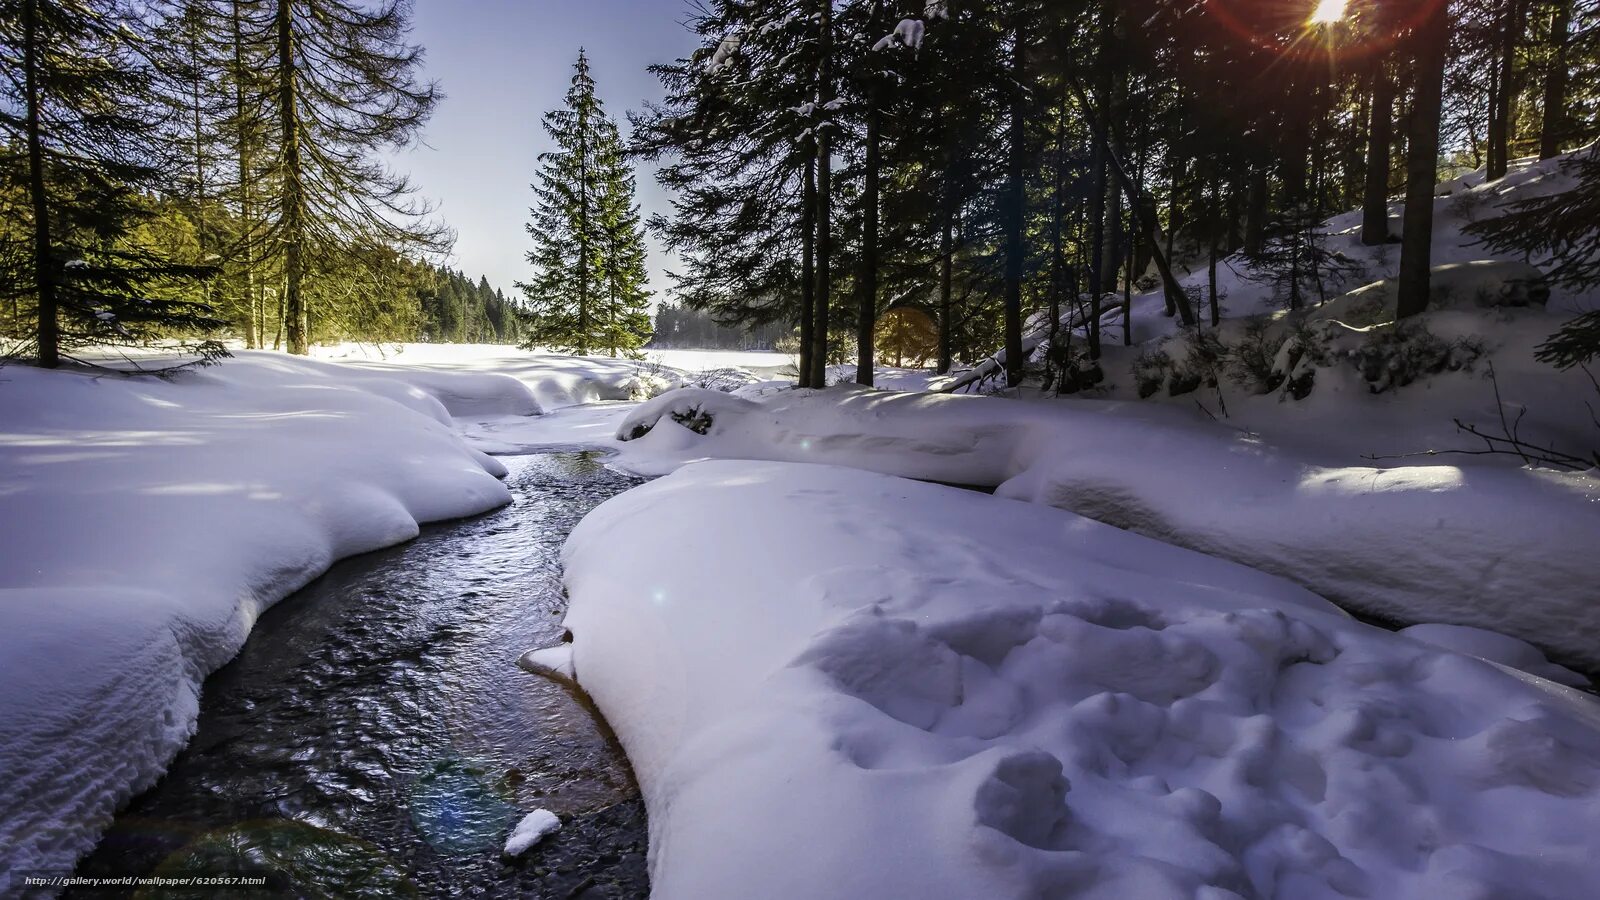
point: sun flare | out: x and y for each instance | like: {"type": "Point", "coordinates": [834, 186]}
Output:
{"type": "Point", "coordinates": [1328, 11]}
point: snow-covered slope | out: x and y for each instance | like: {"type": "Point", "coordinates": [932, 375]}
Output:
{"type": "Point", "coordinates": [842, 684]}
{"type": "Point", "coordinates": [1492, 546]}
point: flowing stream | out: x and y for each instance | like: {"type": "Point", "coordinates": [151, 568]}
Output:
{"type": "Point", "coordinates": [375, 736]}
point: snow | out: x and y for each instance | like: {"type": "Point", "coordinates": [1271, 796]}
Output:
{"type": "Point", "coordinates": [147, 523]}
{"type": "Point", "coordinates": [531, 830]}
{"type": "Point", "coordinates": [844, 684]}
{"type": "Point", "coordinates": [1496, 648]}
{"type": "Point", "coordinates": [1494, 547]}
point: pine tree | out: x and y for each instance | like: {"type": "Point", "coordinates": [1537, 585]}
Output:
{"type": "Point", "coordinates": [587, 291]}
{"type": "Point", "coordinates": [625, 300]}
{"type": "Point", "coordinates": [339, 86]}
{"type": "Point", "coordinates": [83, 130]}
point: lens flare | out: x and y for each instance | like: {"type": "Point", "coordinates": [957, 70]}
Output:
{"type": "Point", "coordinates": [1328, 11]}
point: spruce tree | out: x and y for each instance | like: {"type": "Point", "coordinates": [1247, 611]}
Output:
{"type": "Point", "coordinates": [587, 292]}
{"type": "Point", "coordinates": [339, 85]}
{"type": "Point", "coordinates": [625, 300]}
{"type": "Point", "coordinates": [82, 130]}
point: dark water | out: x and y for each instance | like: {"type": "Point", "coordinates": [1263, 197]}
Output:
{"type": "Point", "coordinates": [376, 738]}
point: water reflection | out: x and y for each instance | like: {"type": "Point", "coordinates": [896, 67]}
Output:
{"type": "Point", "coordinates": [375, 736]}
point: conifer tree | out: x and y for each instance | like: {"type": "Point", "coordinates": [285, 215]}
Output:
{"type": "Point", "coordinates": [587, 292]}
{"type": "Point", "coordinates": [341, 86]}
{"type": "Point", "coordinates": [82, 130]}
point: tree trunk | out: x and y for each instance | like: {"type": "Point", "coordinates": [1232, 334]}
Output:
{"type": "Point", "coordinates": [1380, 136]}
{"type": "Point", "coordinates": [1552, 130]}
{"type": "Point", "coordinates": [1127, 285]}
{"type": "Point", "coordinates": [1429, 43]}
{"type": "Point", "coordinates": [1146, 218]}
{"type": "Point", "coordinates": [1505, 90]}
{"type": "Point", "coordinates": [819, 323]}
{"type": "Point", "coordinates": [48, 333]}
{"type": "Point", "coordinates": [1255, 210]}
{"type": "Point", "coordinates": [1015, 199]}
{"type": "Point", "coordinates": [808, 265]}
{"type": "Point", "coordinates": [255, 329]}
{"type": "Point", "coordinates": [946, 276]}
{"type": "Point", "coordinates": [867, 283]}
{"type": "Point", "coordinates": [1097, 238]}
{"type": "Point", "coordinates": [1058, 259]}
{"type": "Point", "coordinates": [294, 202]}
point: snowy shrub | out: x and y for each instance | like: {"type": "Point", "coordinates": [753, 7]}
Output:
{"type": "Point", "coordinates": [725, 380]}
{"type": "Point", "coordinates": [1395, 357]}
{"type": "Point", "coordinates": [1469, 205]}
{"type": "Point", "coordinates": [1252, 363]}
{"type": "Point", "coordinates": [1202, 365]}
{"type": "Point", "coordinates": [1295, 364]}
{"type": "Point", "coordinates": [696, 409]}
{"type": "Point", "coordinates": [1150, 371]}
{"type": "Point", "coordinates": [1069, 369]}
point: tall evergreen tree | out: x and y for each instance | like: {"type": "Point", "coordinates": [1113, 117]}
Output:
{"type": "Point", "coordinates": [83, 130]}
{"type": "Point", "coordinates": [341, 86]}
{"type": "Point", "coordinates": [587, 291]}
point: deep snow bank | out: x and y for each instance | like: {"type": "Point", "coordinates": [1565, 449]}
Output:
{"type": "Point", "coordinates": [1511, 550]}
{"type": "Point", "coordinates": [143, 527]}
{"type": "Point", "coordinates": [839, 684]}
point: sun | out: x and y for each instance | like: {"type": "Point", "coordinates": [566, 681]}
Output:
{"type": "Point", "coordinates": [1328, 11]}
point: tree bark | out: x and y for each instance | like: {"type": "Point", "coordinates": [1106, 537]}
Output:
{"type": "Point", "coordinates": [824, 293]}
{"type": "Point", "coordinates": [1552, 130]}
{"type": "Point", "coordinates": [1505, 90]}
{"type": "Point", "coordinates": [1015, 198]}
{"type": "Point", "coordinates": [1097, 238]}
{"type": "Point", "coordinates": [1255, 210]}
{"type": "Point", "coordinates": [946, 277]}
{"type": "Point", "coordinates": [48, 333]}
{"type": "Point", "coordinates": [1380, 138]}
{"type": "Point", "coordinates": [867, 283]}
{"type": "Point", "coordinates": [294, 202]}
{"type": "Point", "coordinates": [1429, 45]}
{"type": "Point", "coordinates": [808, 265]}
{"type": "Point", "coordinates": [255, 328]}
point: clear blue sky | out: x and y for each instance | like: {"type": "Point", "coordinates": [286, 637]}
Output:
{"type": "Point", "coordinates": [502, 64]}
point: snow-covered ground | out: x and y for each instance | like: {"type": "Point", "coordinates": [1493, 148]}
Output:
{"type": "Point", "coordinates": [145, 524]}
{"type": "Point", "coordinates": [842, 684]}
{"type": "Point", "coordinates": [1491, 546]}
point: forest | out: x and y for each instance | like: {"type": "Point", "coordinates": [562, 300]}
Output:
{"type": "Point", "coordinates": [987, 162]}
{"type": "Point", "coordinates": [199, 169]}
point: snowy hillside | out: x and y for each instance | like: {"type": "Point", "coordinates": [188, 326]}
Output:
{"type": "Point", "coordinates": [1336, 373]}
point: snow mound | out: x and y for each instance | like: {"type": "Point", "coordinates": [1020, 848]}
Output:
{"type": "Point", "coordinates": [912, 691]}
{"type": "Point", "coordinates": [1506, 549]}
{"type": "Point", "coordinates": [146, 524]}
{"type": "Point", "coordinates": [696, 409]}
{"type": "Point", "coordinates": [490, 379]}
{"type": "Point", "coordinates": [533, 828]}
{"type": "Point", "coordinates": [994, 699]}
{"type": "Point", "coordinates": [1496, 648]}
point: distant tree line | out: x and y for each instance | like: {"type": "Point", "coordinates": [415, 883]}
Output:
{"type": "Point", "coordinates": [173, 167]}
{"type": "Point", "coordinates": [455, 309]}
{"type": "Point", "coordinates": [688, 328]}
{"type": "Point", "coordinates": [988, 159]}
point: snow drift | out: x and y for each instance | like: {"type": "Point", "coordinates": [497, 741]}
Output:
{"type": "Point", "coordinates": [918, 691]}
{"type": "Point", "coordinates": [1509, 550]}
